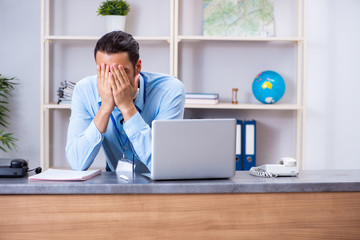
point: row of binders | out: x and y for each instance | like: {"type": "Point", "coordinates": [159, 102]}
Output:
{"type": "Point", "coordinates": [245, 144]}
{"type": "Point", "coordinates": [65, 92]}
{"type": "Point", "coordinates": [201, 98]}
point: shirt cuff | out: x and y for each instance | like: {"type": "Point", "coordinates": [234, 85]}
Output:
{"type": "Point", "coordinates": [93, 134]}
{"type": "Point", "coordinates": [132, 125]}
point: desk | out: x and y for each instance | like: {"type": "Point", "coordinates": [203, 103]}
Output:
{"type": "Point", "coordinates": [315, 205]}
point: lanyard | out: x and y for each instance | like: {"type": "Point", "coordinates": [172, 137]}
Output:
{"type": "Point", "coordinates": [118, 132]}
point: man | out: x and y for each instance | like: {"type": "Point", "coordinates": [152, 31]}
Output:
{"type": "Point", "coordinates": [115, 108]}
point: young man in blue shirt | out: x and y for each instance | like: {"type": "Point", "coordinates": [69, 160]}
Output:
{"type": "Point", "coordinates": [115, 108]}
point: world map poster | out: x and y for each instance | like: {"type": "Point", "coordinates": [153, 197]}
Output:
{"type": "Point", "coordinates": [243, 18]}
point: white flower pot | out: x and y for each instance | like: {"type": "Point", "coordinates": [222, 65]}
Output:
{"type": "Point", "coordinates": [115, 23]}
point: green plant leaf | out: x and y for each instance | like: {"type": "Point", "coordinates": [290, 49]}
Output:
{"type": "Point", "coordinates": [4, 124]}
{"type": "Point", "coordinates": [6, 87]}
{"type": "Point", "coordinates": [114, 7]}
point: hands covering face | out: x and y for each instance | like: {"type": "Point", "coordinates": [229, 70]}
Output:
{"type": "Point", "coordinates": [115, 87]}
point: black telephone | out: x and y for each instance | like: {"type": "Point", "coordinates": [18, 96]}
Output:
{"type": "Point", "coordinates": [18, 168]}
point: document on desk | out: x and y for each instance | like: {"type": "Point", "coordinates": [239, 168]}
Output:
{"type": "Point", "coordinates": [65, 175]}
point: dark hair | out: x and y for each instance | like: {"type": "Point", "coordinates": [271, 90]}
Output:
{"type": "Point", "coordinates": [116, 42]}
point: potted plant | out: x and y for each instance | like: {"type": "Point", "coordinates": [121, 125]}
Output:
{"type": "Point", "coordinates": [6, 139]}
{"type": "Point", "coordinates": [115, 12]}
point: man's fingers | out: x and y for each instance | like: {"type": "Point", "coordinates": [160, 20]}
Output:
{"type": "Point", "coordinates": [124, 79]}
{"type": "Point", "coordinates": [106, 72]}
{"type": "Point", "coordinates": [111, 81]}
{"type": "Point", "coordinates": [116, 74]}
{"type": "Point", "coordinates": [102, 71]}
{"type": "Point", "coordinates": [98, 71]}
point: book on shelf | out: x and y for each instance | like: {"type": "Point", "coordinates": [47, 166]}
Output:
{"type": "Point", "coordinates": [201, 98]}
{"type": "Point", "coordinates": [202, 95]}
{"type": "Point", "coordinates": [65, 92]}
{"type": "Point", "coordinates": [201, 101]}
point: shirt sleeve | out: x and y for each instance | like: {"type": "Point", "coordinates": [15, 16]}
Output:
{"type": "Point", "coordinates": [83, 139]}
{"type": "Point", "coordinates": [139, 132]}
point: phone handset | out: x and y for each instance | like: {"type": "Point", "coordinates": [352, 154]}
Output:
{"type": "Point", "coordinates": [286, 167]}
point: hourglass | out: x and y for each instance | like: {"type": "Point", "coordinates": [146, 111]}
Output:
{"type": "Point", "coordinates": [234, 96]}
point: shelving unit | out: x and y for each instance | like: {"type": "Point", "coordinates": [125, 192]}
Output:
{"type": "Point", "coordinates": [174, 40]}
{"type": "Point", "coordinates": [299, 40]}
{"type": "Point", "coordinates": [45, 103]}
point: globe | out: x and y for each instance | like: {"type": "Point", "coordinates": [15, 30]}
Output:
{"type": "Point", "coordinates": [268, 87]}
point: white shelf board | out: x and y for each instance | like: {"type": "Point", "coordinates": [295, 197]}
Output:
{"type": "Point", "coordinates": [211, 106]}
{"type": "Point", "coordinates": [259, 39]}
{"type": "Point", "coordinates": [95, 38]}
{"type": "Point", "coordinates": [56, 106]}
{"type": "Point", "coordinates": [246, 106]}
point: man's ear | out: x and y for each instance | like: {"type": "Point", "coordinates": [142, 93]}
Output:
{"type": "Point", "coordinates": [138, 67]}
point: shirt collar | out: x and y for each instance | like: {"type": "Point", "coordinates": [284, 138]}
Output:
{"type": "Point", "coordinates": [139, 102]}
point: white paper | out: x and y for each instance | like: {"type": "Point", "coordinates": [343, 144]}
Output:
{"type": "Point", "coordinates": [65, 175]}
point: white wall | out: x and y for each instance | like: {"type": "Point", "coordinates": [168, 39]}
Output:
{"type": "Point", "coordinates": [332, 112]}
{"type": "Point", "coordinates": [20, 57]}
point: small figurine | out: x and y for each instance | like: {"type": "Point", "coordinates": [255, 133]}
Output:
{"type": "Point", "coordinates": [234, 96]}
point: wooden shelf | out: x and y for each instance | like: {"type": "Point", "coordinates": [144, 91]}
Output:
{"type": "Point", "coordinates": [244, 39]}
{"type": "Point", "coordinates": [95, 38]}
{"type": "Point", "coordinates": [240, 106]}
{"type": "Point", "coordinates": [246, 106]}
{"type": "Point", "coordinates": [55, 106]}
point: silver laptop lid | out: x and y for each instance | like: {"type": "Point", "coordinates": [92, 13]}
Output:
{"type": "Point", "coordinates": [190, 149]}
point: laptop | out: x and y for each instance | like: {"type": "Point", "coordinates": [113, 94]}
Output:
{"type": "Point", "coordinates": [193, 149]}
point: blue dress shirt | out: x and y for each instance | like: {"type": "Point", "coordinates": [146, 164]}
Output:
{"type": "Point", "coordinates": [160, 97]}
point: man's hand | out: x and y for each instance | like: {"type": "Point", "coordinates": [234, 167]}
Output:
{"type": "Point", "coordinates": [104, 87]}
{"type": "Point", "coordinates": [123, 90]}
{"type": "Point", "coordinates": [107, 100]}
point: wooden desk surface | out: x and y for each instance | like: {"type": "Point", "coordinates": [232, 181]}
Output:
{"type": "Point", "coordinates": [243, 182]}
{"type": "Point", "coordinates": [273, 213]}
{"type": "Point", "coordinates": [184, 216]}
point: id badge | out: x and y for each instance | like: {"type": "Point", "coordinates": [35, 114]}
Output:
{"type": "Point", "coordinates": [124, 165]}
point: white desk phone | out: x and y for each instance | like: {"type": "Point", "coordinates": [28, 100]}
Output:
{"type": "Point", "coordinates": [286, 167]}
